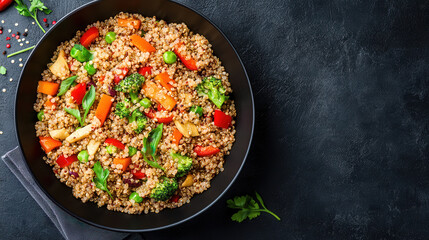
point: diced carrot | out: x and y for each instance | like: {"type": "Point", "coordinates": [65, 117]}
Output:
{"type": "Point", "coordinates": [153, 91]}
{"type": "Point", "coordinates": [101, 78]}
{"type": "Point", "coordinates": [177, 135]}
{"type": "Point", "coordinates": [103, 107]}
{"type": "Point", "coordinates": [50, 105]}
{"type": "Point", "coordinates": [49, 88]}
{"type": "Point", "coordinates": [123, 161]}
{"type": "Point", "coordinates": [125, 22]}
{"type": "Point", "coordinates": [49, 144]}
{"type": "Point", "coordinates": [141, 43]}
{"type": "Point", "coordinates": [165, 80]}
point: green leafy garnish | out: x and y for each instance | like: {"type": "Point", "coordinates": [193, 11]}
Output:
{"type": "Point", "coordinates": [80, 53]}
{"type": "Point", "coordinates": [150, 144]}
{"type": "Point", "coordinates": [65, 85]}
{"type": "Point", "coordinates": [132, 151]}
{"type": "Point", "coordinates": [36, 5]}
{"type": "Point", "coordinates": [88, 100]}
{"type": "Point", "coordinates": [249, 208]}
{"type": "Point", "coordinates": [100, 178]}
{"type": "Point", "coordinates": [75, 113]}
{"type": "Point", "coordinates": [2, 70]}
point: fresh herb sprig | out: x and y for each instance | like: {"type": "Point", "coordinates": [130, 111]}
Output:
{"type": "Point", "coordinates": [100, 178]}
{"type": "Point", "coordinates": [36, 5]}
{"type": "Point", "coordinates": [150, 143]}
{"type": "Point", "coordinates": [65, 85]}
{"type": "Point", "coordinates": [87, 102]}
{"type": "Point", "coordinates": [249, 208]}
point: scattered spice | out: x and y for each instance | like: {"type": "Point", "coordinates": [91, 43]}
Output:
{"type": "Point", "coordinates": [1, 132]}
{"type": "Point", "coordinates": [1, 31]}
{"type": "Point", "coordinates": [12, 61]}
{"type": "Point", "coordinates": [3, 90]}
{"type": "Point", "coordinates": [53, 22]}
{"type": "Point", "coordinates": [13, 34]}
{"type": "Point", "coordinates": [18, 33]}
{"type": "Point", "coordinates": [25, 34]}
{"type": "Point", "coordinates": [46, 24]}
{"type": "Point", "coordinates": [17, 36]}
{"type": "Point", "coordinates": [4, 52]}
{"type": "Point", "coordinates": [1, 28]}
{"type": "Point", "coordinates": [45, 20]}
{"type": "Point", "coordinates": [11, 79]}
{"type": "Point", "coordinates": [8, 45]}
{"type": "Point", "coordinates": [7, 38]}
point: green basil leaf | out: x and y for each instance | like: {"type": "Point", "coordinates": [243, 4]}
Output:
{"type": "Point", "coordinates": [2, 70]}
{"type": "Point", "coordinates": [75, 113]}
{"type": "Point", "coordinates": [153, 163]}
{"type": "Point", "coordinates": [100, 178]}
{"type": "Point", "coordinates": [154, 137]}
{"type": "Point", "coordinates": [65, 85]}
{"type": "Point", "coordinates": [88, 100]}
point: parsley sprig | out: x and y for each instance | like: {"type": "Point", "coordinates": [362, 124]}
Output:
{"type": "Point", "coordinates": [100, 178]}
{"type": "Point", "coordinates": [36, 5]}
{"type": "Point", "coordinates": [249, 208]}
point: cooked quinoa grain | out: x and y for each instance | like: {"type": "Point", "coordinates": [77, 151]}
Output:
{"type": "Point", "coordinates": [201, 142]}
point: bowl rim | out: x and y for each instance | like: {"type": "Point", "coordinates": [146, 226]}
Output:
{"type": "Point", "coordinates": [45, 35]}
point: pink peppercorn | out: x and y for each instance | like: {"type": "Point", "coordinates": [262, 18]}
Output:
{"type": "Point", "coordinates": [17, 37]}
{"type": "Point", "coordinates": [8, 45]}
{"type": "Point", "coordinates": [13, 34]}
{"type": "Point", "coordinates": [7, 38]}
{"type": "Point", "coordinates": [53, 22]}
{"type": "Point", "coordinates": [45, 20]}
{"type": "Point", "coordinates": [1, 32]}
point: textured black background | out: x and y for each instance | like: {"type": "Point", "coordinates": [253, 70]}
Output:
{"type": "Point", "coordinates": [341, 145]}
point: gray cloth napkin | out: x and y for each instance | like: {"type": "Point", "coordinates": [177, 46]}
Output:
{"type": "Point", "coordinates": [68, 226]}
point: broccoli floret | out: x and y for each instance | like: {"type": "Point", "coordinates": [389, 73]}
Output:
{"type": "Point", "coordinates": [130, 84]}
{"type": "Point", "coordinates": [213, 88]}
{"type": "Point", "coordinates": [122, 109]}
{"type": "Point", "coordinates": [140, 120]}
{"type": "Point", "coordinates": [165, 189]}
{"type": "Point", "coordinates": [184, 164]}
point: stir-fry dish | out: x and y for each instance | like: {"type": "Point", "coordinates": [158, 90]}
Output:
{"type": "Point", "coordinates": [135, 113]}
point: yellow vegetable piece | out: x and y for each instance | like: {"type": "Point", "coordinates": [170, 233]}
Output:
{"type": "Point", "coordinates": [59, 134]}
{"type": "Point", "coordinates": [60, 68]}
{"type": "Point", "coordinates": [80, 134]}
{"type": "Point", "coordinates": [188, 181]}
{"type": "Point", "coordinates": [93, 147]}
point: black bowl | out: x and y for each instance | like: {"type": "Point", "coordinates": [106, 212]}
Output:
{"type": "Point", "coordinates": [25, 116]}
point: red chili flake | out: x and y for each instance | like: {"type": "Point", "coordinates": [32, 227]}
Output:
{"type": "Point", "coordinates": [13, 34]}
{"type": "Point", "coordinates": [17, 37]}
{"type": "Point", "coordinates": [8, 45]}
{"type": "Point", "coordinates": [45, 20]}
{"type": "Point", "coordinates": [7, 38]}
{"type": "Point", "coordinates": [53, 22]}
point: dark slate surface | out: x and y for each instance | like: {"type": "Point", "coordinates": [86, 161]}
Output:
{"type": "Point", "coordinates": [341, 146]}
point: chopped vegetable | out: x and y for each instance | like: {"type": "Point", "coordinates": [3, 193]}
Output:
{"type": "Point", "coordinates": [114, 142]}
{"type": "Point", "coordinates": [66, 161]}
{"type": "Point", "coordinates": [122, 109]}
{"type": "Point", "coordinates": [188, 181]}
{"type": "Point", "coordinates": [49, 104]}
{"type": "Point", "coordinates": [49, 88]}
{"type": "Point", "coordinates": [125, 22]}
{"type": "Point", "coordinates": [213, 88]}
{"type": "Point", "coordinates": [249, 208]}
{"type": "Point", "coordinates": [118, 77]}
{"type": "Point", "coordinates": [139, 119]}
{"type": "Point", "coordinates": [141, 43]}
{"type": "Point", "coordinates": [59, 134]}
{"type": "Point", "coordinates": [32, 12]}
{"type": "Point", "coordinates": [2, 70]}
{"type": "Point", "coordinates": [188, 129]}
{"type": "Point", "coordinates": [90, 69]}
{"type": "Point", "coordinates": [125, 162]}
{"type": "Point", "coordinates": [103, 107]}
{"type": "Point", "coordinates": [153, 91]}
{"type": "Point", "coordinates": [100, 178]}
{"type": "Point", "coordinates": [184, 164]}
{"type": "Point", "coordinates": [87, 101]}
{"type": "Point", "coordinates": [78, 92]}
{"type": "Point", "coordinates": [89, 36]}
{"type": "Point", "coordinates": [83, 156]}
{"type": "Point", "coordinates": [138, 174]}
{"type": "Point", "coordinates": [145, 70]}
{"type": "Point", "coordinates": [110, 37]}
{"type": "Point", "coordinates": [188, 61]}
{"type": "Point", "coordinates": [135, 197]}
{"type": "Point", "coordinates": [152, 115]}
{"type": "Point", "coordinates": [169, 57]}
{"type": "Point", "coordinates": [93, 147]}
{"type": "Point", "coordinates": [197, 110]}
{"type": "Point", "coordinates": [40, 115]}
{"type": "Point", "coordinates": [221, 119]}
{"type": "Point", "coordinates": [165, 80]}
{"type": "Point", "coordinates": [150, 144]}
{"type": "Point", "coordinates": [134, 97]}
{"type": "Point", "coordinates": [48, 144]}
{"type": "Point", "coordinates": [132, 151]}
{"type": "Point", "coordinates": [177, 135]}
{"type": "Point", "coordinates": [65, 85]}
{"type": "Point", "coordinates": [164, 190]}
{"type": "Point", "coordinates": [80, 53]}
{"type": "Point", "coordinates": [131, 84]}
{"type": "Point", "coordinates": [80, 134]}
{"type": "Point", "coordinates": [205, 151]}
{"type": "Point", "coordinates": [60, 68]}
{"type": "Point", "coordinates": [111, 149]}
{"type": "Point", "coordinates": [145, 102]}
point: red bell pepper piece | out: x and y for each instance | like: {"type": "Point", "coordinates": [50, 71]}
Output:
{"type": "Point", "coordinates": [48, 144]}
{"type": "Point", "coordinates": [138, 174]}
{"type": "Point", "coordinates": [221, 119]}
{"type": "Point", "coordinates": [89, 36]}
{"type": "Point", "coordinates": [66, 161]}
{"type": "Point", "coordinates": [118, 77]}
{"type": "Point", "coordinates": [145, 70]}
{"type": "Point", "coordinates": [78, 92]}
{"type": "Point", "coordinates": [188, 61]}
{"type": "Point", "coordinates": [114, 142]}
{"type": "Point", "coordinates": [175, 198]}
{"type": "Point", "coordinates": [205, 151]}
{"type": "Point", "coordinates": [152, 115]}
{"type": "Point", "coordinates": [4, 4]}
{"type": "Point", "coordinates": [160, 108]}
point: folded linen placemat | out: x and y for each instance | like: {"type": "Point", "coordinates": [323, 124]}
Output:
{"type": "Point", "coordinates": [68, 226]}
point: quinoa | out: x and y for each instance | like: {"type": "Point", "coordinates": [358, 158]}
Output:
{"type": "Point", "coordinates": [109, 59]}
